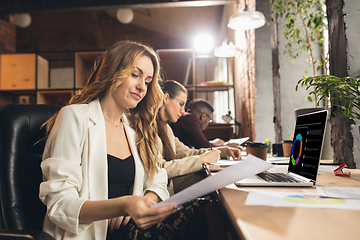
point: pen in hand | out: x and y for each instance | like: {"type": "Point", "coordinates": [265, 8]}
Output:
{"type": "Point", "coordinates": [210, 146]}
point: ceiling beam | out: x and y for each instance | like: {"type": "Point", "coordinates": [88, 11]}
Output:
{"type": "Point", "coordinates": [36, 6]}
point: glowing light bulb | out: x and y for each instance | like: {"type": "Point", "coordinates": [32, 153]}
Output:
{"type": "Point", "coordinates": [203, 43]}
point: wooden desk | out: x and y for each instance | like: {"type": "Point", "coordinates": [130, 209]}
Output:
{"type": "Point", "coordinates": [263, 222]}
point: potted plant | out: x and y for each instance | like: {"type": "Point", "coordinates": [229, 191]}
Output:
{"type": "Point", "coordinates": [304, 30]}
{"type": "Point", "coordinates": [345, 89]}
{"type": "Point", "coordinates": [305, 22]}
{"type": "Point", "coordinates": [304, 27]}
{"type": "Point", "coordinates": [345, 105]}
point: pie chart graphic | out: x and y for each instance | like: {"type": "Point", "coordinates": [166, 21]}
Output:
{"type": "Point", "coordinates": [297, 145]}
{"type": "Point", "coordinates": [314, 199]}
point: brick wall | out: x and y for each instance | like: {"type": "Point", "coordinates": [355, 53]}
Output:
{"type": "Point", "coordinates": [57, 35]}
{"type": "Point", "coordinates": [7, 45]}
{"type": "Point", "coordinates": [7, 37]}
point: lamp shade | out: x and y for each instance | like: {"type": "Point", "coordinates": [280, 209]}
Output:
{"type": "Point", "coordinates": [125, 15]}
{"type": "Point", "coordinates": [246, 20]}
{"type": "Point", "coordinates": [22, 20]}
{"type": "Point", "coordinates": [226, 50]}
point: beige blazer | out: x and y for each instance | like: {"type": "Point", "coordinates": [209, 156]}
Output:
{"type": "Point", "coordinates": [74, 167]}
{"type": "Point", "coordinates": [187, 160]}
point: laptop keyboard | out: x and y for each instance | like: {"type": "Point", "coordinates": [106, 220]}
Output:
{"type": "Point", "coordinates": [277, 177]}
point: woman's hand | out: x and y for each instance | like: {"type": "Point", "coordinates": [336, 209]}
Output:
{"type": "Point", "coordinates": [140, 210]}
{"type": "Point", "coordinates": [116, 222]}
{"type": "Point", "coordinates": [217, 141]}
{"type": "Point", "coordinates": [211, 156]}
{"type": "Point", "coordinates": [233, 145]}
{"type": "Point", "coordinates": [131, 206]}
{"type": "Point", "coordinates": [235, 153]}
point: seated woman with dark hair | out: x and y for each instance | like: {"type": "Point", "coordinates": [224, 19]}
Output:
{"type": "Point", "coordinates": [184, 165]}
{"type": "Point", "coordinates": [180, 160]}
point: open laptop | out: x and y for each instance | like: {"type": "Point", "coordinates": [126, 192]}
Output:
{"type": "Point", "coordinates": [305, 155]}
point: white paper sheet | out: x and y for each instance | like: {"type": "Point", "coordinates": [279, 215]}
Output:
{"type": "Point", "coordinates": [224, 163]}
{"type": "Point", "coordinates": [244, 168]}
{"type": "Point", "coordinates": [299, 199]}
{"type": "Point", "coordinates": [341, 192]}
{"type": "Point", "coordinates": [238, 140]}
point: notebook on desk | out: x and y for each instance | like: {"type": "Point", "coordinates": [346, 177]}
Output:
{"type": "Point", "coordinates": [305, 155]}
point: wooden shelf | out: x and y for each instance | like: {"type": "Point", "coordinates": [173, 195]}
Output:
{"type": "Point", "coordinates": [54, 97]}
{"type": "Point", "coordinates": [25, 76]}
{"type": "Point", "coordinates": [213, 88]}
{"type": "Point", "coordinates": [84, 62]}
{"type": "Point", "coordinates": [178, 64]}
{"type": "Point", "coordinates": [190, 89]}
{"type": "Point", "coordinates": [55, 89]}
{"type": "Point", "coordinates": [23, 71]}
{"type": "Point", "coordinates": [19, 92]}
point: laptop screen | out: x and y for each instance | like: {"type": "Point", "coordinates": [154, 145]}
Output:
{"type": "Point", "coordinates": [307, 144]}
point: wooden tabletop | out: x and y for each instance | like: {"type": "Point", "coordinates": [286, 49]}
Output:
{"type": "Point", "coordinates": [264, 222]}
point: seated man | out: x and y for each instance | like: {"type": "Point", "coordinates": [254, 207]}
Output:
{"type": "Point", "coordinates": [189, 127]}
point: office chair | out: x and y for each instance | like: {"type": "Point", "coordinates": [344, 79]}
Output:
{"type": "Point", "coordinates": [22, 212]}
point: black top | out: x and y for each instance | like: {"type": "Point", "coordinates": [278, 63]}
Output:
{"type": "Point", "coordinates": [121, 175]}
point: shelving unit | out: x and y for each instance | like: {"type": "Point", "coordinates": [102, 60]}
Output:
{"type": "Point", "coordinates": [205, 79]}
{"type": "Point", "coordinates": [213, 88]}
{"type": "Point", "coordinates": [84, 62]}
{"type": "Point", "coordinates": [179, 65]}
{"type": "Point", "coordinates": [182, 65]}
{"type": "Point", "coordinates": [22, 71]}
{"type": "Point", "coordinates": [25, 76]}
{"type": "Point", "coordinates": [200, 84]}
{"type": "Point", "coordinates": [21, 74]}
{"type": "Point", "coordinates": [55, 97]}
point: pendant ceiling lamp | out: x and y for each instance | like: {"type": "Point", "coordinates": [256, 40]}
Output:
{"type": "Point", "coordinates": [125, 15]}
{"type": "Point", "coordinates": [226, 50]}
{"type": "Point", "coordinates": [246, 20]}
{"type": "Point", "coordinates": [22, 20]}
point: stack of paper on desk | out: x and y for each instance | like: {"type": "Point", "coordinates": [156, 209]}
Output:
{"type": "Point", "coordinates": [242, 169]}
{"type": "Point", "coordinates": [238, 140]}
{"type": "Point", "coordinates": [300, 199]}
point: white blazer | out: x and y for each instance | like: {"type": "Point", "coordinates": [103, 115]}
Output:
{"type": "Point", "coordinates": [74, 167]}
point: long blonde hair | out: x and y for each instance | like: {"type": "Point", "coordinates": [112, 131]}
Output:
{"type": "Point", "coordinates": [110, 70]}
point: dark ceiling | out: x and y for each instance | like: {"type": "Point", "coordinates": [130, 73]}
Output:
{"type": "Point", "coordinates": [34, 6]}
{"type": "Point", "coordinates": [58, 28]}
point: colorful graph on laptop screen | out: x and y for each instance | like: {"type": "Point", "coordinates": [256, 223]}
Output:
{"type": "Point", "coordinates": [306, 148]}
{"type": "Point", "coordinates": [297, 144]}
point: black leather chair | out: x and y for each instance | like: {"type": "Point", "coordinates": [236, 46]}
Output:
{"type": "Point", "coordinates": [22, 212]}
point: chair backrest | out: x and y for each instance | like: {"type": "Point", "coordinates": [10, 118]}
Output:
{"type": "Point", "coordinates": [20, 158]}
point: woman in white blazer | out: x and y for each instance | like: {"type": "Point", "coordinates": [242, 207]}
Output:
{"type": "Point", "coordinates": [85, 136]}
